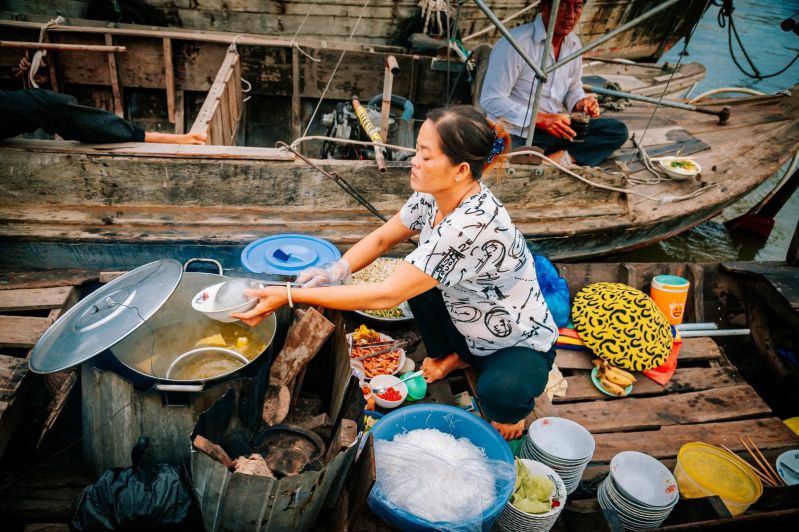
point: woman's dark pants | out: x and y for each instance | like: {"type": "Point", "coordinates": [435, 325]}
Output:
{"type": "Point", "coordinates": [510, 379]}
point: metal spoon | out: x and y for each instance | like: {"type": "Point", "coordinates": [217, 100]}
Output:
{"type": "Point", "coordinates": [382, 389]}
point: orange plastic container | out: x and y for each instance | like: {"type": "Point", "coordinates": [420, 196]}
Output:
{"type": "Point", "coordinates": [670, 293]}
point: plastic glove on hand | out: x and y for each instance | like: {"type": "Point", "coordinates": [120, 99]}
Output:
{"type": "Point", "coordinates": [329, 274]}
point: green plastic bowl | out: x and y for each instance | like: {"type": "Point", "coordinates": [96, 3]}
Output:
{"type": "Point", "coordinates": [417, 387]}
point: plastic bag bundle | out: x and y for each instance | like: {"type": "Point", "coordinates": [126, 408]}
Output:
{"type": "Point", "coordinates": [441, 479]}
{"type": "Point", "coordinates": [152, 498]}
{"type": "Point", "coordinates": [554, 289]}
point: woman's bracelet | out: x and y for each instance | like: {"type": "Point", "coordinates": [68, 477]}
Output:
{"type": "Point", "coordinates": [288, 293]}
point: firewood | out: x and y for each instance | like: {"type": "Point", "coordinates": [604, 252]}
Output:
{"type": "Point", "coordinates": [276, 404]}
{"type": "Point", "coordinates": [305, 337]}
{"type": "Point", "coordinates": [253, 465]}
{"type": "Point", "coordinates": [214, 451]}
{"type": "Point", "coordinates": [345, 435]}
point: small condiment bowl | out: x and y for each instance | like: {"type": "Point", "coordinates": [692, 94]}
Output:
{"type": "Point", "coordinates": [204, 301]}
{"type": "Point", "coordinates": [389, 381]}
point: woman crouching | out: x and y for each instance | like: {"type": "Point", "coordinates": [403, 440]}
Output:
{"type": "Point", "coordinates": [471, 282]}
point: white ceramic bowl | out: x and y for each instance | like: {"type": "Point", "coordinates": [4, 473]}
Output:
{"type": "Point", "coordinates": [203, 302]}
{"type": "Point", "coordinates": [389, 381]}
{"type": "Point", "coordinates": [562, 438]}
{"type": "Point", "coordinates": [644, 479]}
{"type": "Point", "coordinates": [677, 173]}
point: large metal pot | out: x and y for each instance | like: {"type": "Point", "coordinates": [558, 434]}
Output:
{"type": "Point", "coordinates": [170, 335]}
{"type": "Point", "coordinates": [143, 323]}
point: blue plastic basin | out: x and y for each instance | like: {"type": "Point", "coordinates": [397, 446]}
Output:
{"type": "Point", "coordinates": [460, 424]}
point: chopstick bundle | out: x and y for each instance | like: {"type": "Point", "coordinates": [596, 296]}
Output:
{"type": "Point", "coordinates": [764, 468]}
{"type": "Point", "coordinates": [763, 478]}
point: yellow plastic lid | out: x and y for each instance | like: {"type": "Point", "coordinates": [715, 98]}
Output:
{"type": "Point", "coordinates": [793, 424]}
{"type": "Point", "coordinates": [720, 472]}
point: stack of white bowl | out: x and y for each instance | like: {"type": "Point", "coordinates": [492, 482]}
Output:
{"type": "Point", "coordinates": [563, 445]}
{"type": "Point", "coordinates": [514, 520]}
{"type": "Point", "coordinates": [641, 490]}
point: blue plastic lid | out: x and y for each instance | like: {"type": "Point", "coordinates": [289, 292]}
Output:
{"type": "Point", "coordinates": [287, 254]}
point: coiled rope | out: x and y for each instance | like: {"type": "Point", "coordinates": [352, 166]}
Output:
{"type": "Point", "coordinates": [725, 20]}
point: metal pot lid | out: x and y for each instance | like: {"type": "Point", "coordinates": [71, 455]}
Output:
{"type": "Point", "coordinates": [287, 254]}
{"type": "Point", "coordinates": [106, 316]}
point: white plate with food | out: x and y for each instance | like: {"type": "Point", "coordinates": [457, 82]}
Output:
{"type": "Point", "coordinates": [361, 343]}
{"type": "Point", "coordinates": [679, 168]}
{"type": "Point", "coordinates": [378, 271]}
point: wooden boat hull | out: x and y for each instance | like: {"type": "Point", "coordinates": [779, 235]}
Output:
{"type": "Point", "coordinates": [385, 21]}
{"type": "Point", "coordinates": [69, 204]}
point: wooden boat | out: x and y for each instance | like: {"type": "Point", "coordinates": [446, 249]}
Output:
{"type": "Point", "coordinates": [722, 386]}
{"type": "Point", "coordinates": [58, 194]}
{"type": "Point", "coordinates": [377, 21]}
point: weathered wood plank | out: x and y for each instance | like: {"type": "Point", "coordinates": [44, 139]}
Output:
{"type": "Point", "coordinates": [768, 433]}
{"type": "Point", "coordinates": [693, 349]}
{"type": "Point", "coordinates": [169, 75]}
{"type": "Point", "coordinates": [733, 402]}
{"type": "Point", "coordinates": [113, 75]}
{"type": "Point", "coordinates": [684, 380]}
{"type": "Point", "coordinates": [33, 298]}
{"type": "Point", "coordinates": [21, 331]}
{"type": "Point", "coordinates": [12, 371]}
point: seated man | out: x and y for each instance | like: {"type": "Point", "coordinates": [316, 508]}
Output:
{"type": "Point", "coordinates": [25, 111]}
{"type": "Point", "coordinates": [509, 89]}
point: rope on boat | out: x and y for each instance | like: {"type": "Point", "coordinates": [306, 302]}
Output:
{"type": "Point", "coordinates": [725, 19]}
{"type": "Point", "coordinates": [337, 179]}
{"type": "Point", "coordinates": [297, 142]}
{"type": "Point", "coordinates": [721, 90]}
{"type": "Point", "coordinates": [299, 28]}
{"type": "Point", "coordinates": [664, 199]}
{"type": "Point", "coordinates": [683, 53]}
{"type": "Point", "coordinates": [504, 20]}
{"type": "Point", "coordinates": [333, 74]}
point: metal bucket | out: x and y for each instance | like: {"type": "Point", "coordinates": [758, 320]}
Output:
{"type": "Point", "coordinates": [174, 331]}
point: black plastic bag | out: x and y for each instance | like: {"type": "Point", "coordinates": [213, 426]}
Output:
{"type": "Point", "coordinates": [131, 498]}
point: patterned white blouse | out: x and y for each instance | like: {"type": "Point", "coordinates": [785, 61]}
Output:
{"type": "Point", "coordinates": [485, 272]}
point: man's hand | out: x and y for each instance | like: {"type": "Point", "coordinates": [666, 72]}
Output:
{"type": "Point", "coordinates": [588, 105]}
{"type": "Point", "coordinates": [556, 125]}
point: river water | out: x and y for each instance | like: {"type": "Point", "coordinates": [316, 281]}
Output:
{"type": "Point", "coordinates": [758, 24]}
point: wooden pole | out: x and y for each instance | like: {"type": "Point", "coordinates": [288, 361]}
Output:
{"type": "Point", "coordinates": [62, 46]}
{"type": "Point", "coordinates": [296, 112]}
{"type": "Point", "coordinates": [391, 68]}
{"type": "Point", "coordinates": [793, 249]}
{"type": "Point", "coordinates": [113, 75]}
{"type": "Point", "coordinates": [169, 77]}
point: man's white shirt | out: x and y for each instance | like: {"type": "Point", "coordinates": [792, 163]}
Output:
{"type": "Point", "coordinates": [509, 79]}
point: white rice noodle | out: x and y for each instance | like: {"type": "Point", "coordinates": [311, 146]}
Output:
{"type": "Point", "coordinates": [435, 476]}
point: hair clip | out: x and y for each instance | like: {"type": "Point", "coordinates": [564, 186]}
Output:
{"type": "Point", "coordinates": [496, 149]}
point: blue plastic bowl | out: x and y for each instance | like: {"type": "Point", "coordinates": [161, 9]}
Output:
{"type": "Point", "coordinates": [451, 420]}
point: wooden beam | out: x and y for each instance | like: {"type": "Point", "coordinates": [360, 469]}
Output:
{"type": "Point", "coordinates": [113, 74]}
{"type": "Point", "coordinates": [62, 46]}
{"type": "Point", "coordinates": [212, 118]}
{"type": "Point", "coordinates": [169, 75]}
{"type": "Point", "coordinates": [21, 331]}
{"type": "Point", "coordinates": [296, 112]}
{"type": "Point", "coordinates": [33, 298]}
{"type": "Point", "coordinates": [180, 112]}
{"type": "Point", "coordinates": [250, 39]}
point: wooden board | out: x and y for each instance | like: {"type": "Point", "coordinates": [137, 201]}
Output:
{"type": "Point", "coordinates": [693, 349]}
{"type": "Point", "coordinates": [767, 432]}
{"type": "Point", "coordinates": [23, 331]}
{"type": "Point", "coordinates": [733, 402]}
{"type": "Point", "coordinates": [684, 380]}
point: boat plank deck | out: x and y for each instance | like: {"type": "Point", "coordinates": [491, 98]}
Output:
{"type": "Point", "coordinates": [39, 308]}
